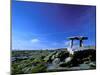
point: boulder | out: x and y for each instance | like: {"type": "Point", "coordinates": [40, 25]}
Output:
{"type": "Point", "coordinates": [92, 64]}
{"type": "Point", "coordinates": [68, 59]}
{"type": "Point", "coordinates": [64, 64]}
{"type": "Point", "coordinates": [62, 55]}
{"type": "Point", "coordinates": [53, 57]}
{"type": "Point", "coordinates": [56, 61]}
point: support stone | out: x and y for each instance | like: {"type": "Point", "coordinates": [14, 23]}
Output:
{"type": "Point", "coordinates": [81, 43]}
{"type": "Point", "coordinates": [71, 43]}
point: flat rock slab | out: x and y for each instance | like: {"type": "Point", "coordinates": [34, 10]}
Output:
{"type": "Point", "coordinates": [80, 67]}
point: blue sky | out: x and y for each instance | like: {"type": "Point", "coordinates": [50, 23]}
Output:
{"type": "Point", "coordinates": [38, 25]}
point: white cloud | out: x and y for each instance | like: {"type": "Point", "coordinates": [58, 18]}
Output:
{"type": "Point", "coordinates": [35, 40]}
{"type": "Point", "coordinates": [33, 44]}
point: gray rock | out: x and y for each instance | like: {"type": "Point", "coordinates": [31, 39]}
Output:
{"type": "Point", "coordinates": [64, 64]}
{"type": "Point", "coordinates": [68, 59]}
{"type": "Point", "coordinates": [84, 66]}
{"type": "Point", "coordinates": [86, 62]}
{"type": "Point", "coordinates": [53, 57]}
{"type": "Point", "coordinates": [92, 64]}
{"type": "Point", "coordinates": [56, 61]}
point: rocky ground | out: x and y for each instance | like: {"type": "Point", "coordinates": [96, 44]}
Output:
{"type": "Point", "coordinates": [80, 60]}
{"type": "Point", "coordinates": [53, 60]}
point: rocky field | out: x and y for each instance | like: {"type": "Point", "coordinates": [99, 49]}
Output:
{"type": "Point", "coordinates": [39, 61]}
